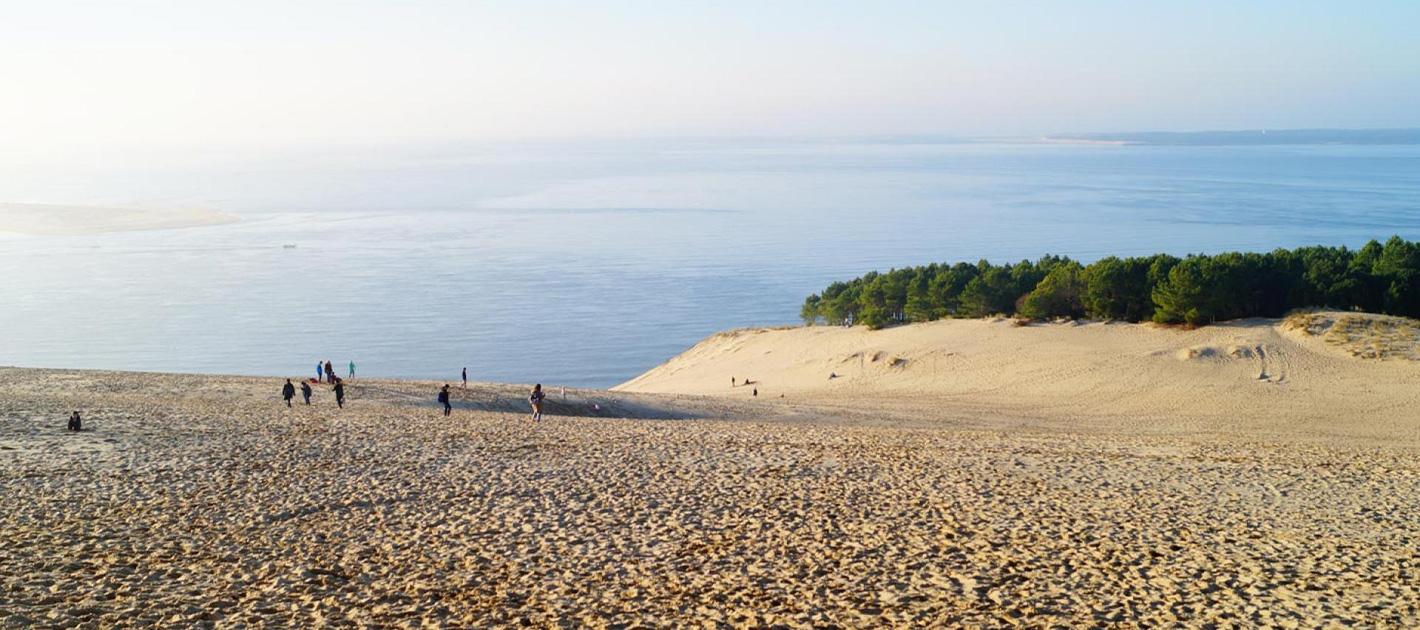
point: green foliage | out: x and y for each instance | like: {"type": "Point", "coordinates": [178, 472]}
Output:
{"type": "Point", "coordinates": [1058, 294]}
{"type": "Point", "coordinates": [1118, 288]}
{"type": "Point", "coordinates": [1194, 290]}
{"type": "Point", "coordinates": [993, 291]}
{"type": "Point", "coordinates": [809, 312]}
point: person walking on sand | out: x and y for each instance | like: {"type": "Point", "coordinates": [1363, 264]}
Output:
{"type": "Point", "coordinates": [339, 393]}
{"type": "Point", "coordinates": [444, 400]}
{"type": "Point", "coordinates": [352, 370]}
{"type": "Point", "coordinates": [536, 400]}
{"type": "Point", "coordinates": [306, 391]}
{"type": "Point", "coordinates": [75, 424]}
{"type": "Point", "coordinates": [288, 391]}
{"type": "Point", "coordinates": [320, 372]}
{"type": "Point", "coordinates": [464, 385]}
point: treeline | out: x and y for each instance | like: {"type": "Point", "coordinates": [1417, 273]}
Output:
{"type": "Point", "coordinates": [1198, 289]}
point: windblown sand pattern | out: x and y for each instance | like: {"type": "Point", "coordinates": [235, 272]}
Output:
{"type": "Point", "coordinates": [203, 501]}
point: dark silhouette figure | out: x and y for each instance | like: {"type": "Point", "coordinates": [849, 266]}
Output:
{"type": "Point", "coordinates": [339, 393]}
{"type": "Point", "coordinates": [535, 398]}
{"type": "Point", "coordinates": [306, 391]}
{"type": "Point", "coordinates": [756, 391]}
{"type": "Point", "coordinates": [75, 424]}
{"type": "Point", "coordinates": [732, 381]}
{"type": "Point", "coordinates": [465, 379]}
{"type": "Point", "coordinates": [444, 399]}
{"type": "Point", "coordinates": [288, 391]}
{"type": "Point", "coordinates": [330, 372]}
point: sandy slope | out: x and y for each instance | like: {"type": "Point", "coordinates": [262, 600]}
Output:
{"type": "Point", "coordinates": [914, 495]}
{"type": "Point", "coordinates": [1255, 376]}
{"type": "Point", "coordinates": [41, 219]}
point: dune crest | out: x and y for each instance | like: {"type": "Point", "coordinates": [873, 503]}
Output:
{"type": "Point", "coordinates": [1307, 373]}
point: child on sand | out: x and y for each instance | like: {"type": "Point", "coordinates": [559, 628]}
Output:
{"type": "Point", "coordinates": [75, 424]}
{"type": "Point", "coordinates": [288, 391]}
{"type": "Point", "coordinates": [444, 399]}
{"type": "Point", "coordinates": [339, 392]}
{"type": "Point", "coordinates": [306, 391]}
{"type": "Point", "coordinates": [536, 400]}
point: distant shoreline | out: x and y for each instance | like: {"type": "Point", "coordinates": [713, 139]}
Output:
{"type": "Point", "coordinates": [1244, 137]}
{"type": "Point", "coordinates": [29, 219]}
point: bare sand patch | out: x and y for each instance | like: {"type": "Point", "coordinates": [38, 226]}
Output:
{"type": "Point", "coordinates": [211, 503]}
{"type": "Point", "coordinates": [1267, 377]}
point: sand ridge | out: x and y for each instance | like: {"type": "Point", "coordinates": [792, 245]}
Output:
{"type": "Point", "coordinates": [1264, 377]}
{"type": "Point", "coordinates": [202, 501]}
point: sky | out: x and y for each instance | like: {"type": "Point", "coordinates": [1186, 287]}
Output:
{"type": "Point", "coordinates": [104, 74]}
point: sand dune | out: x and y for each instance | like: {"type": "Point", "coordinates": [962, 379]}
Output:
{"type": "Point", "coordinates": [954, 474]}
{"type": "Point", "coordinates": [44, 219]}
{"type": "Point", "coordinates": [1256, 376]}
{"type": "Point", "coordinates": [202, 501]}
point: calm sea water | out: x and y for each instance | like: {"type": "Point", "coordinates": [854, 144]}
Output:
{"type": "Point", "coordinates": [587, 264]}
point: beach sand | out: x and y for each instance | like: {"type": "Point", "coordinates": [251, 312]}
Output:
{"type": "Point", "coordinates": [1316, 376]}
{"type": "Point", "coordinates": [202, 500]}
{"type": "Point", "coordinates": [44, 219]}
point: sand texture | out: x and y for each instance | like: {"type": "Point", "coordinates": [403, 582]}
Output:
{"type": "Point", "coordinates": [45, 219]}
{"type": "Point", "coordinates": [195, 501]}
{"type": "Point", "coordinates": [1316, 376]}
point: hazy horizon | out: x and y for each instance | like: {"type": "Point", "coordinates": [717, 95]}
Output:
{"type": "Point", "coordinates": [98, 78]}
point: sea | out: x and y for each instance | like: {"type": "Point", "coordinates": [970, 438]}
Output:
{"type": "Point", "coordinates": [586, 263]}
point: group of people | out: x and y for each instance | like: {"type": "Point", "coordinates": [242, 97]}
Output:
{"type": "Point", "coordinates": [746, 382]}
{"type": "Point", "coordinates": [325, 372]}
{"type": "Point", "coordinates": [534, 399]}
{"type": "Point", "coordinates": [288, 391]}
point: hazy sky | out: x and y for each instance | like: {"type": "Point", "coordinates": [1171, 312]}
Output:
{"type": "Point", "coordinates": [112, 72]}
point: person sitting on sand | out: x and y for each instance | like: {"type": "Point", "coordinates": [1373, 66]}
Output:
{"type": "Point", "coordinates": [536, 400]}
{"type": "Point", "coordinates": [306, 391]}
{"type": "Point", "coordinates": [75, 424]}
{"type": "Point", "coordinates": [339, 392]}
{"type": "Point", "coordinates": [444, 399]}
{"type": "Point", "coordinates": [288, 391]}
